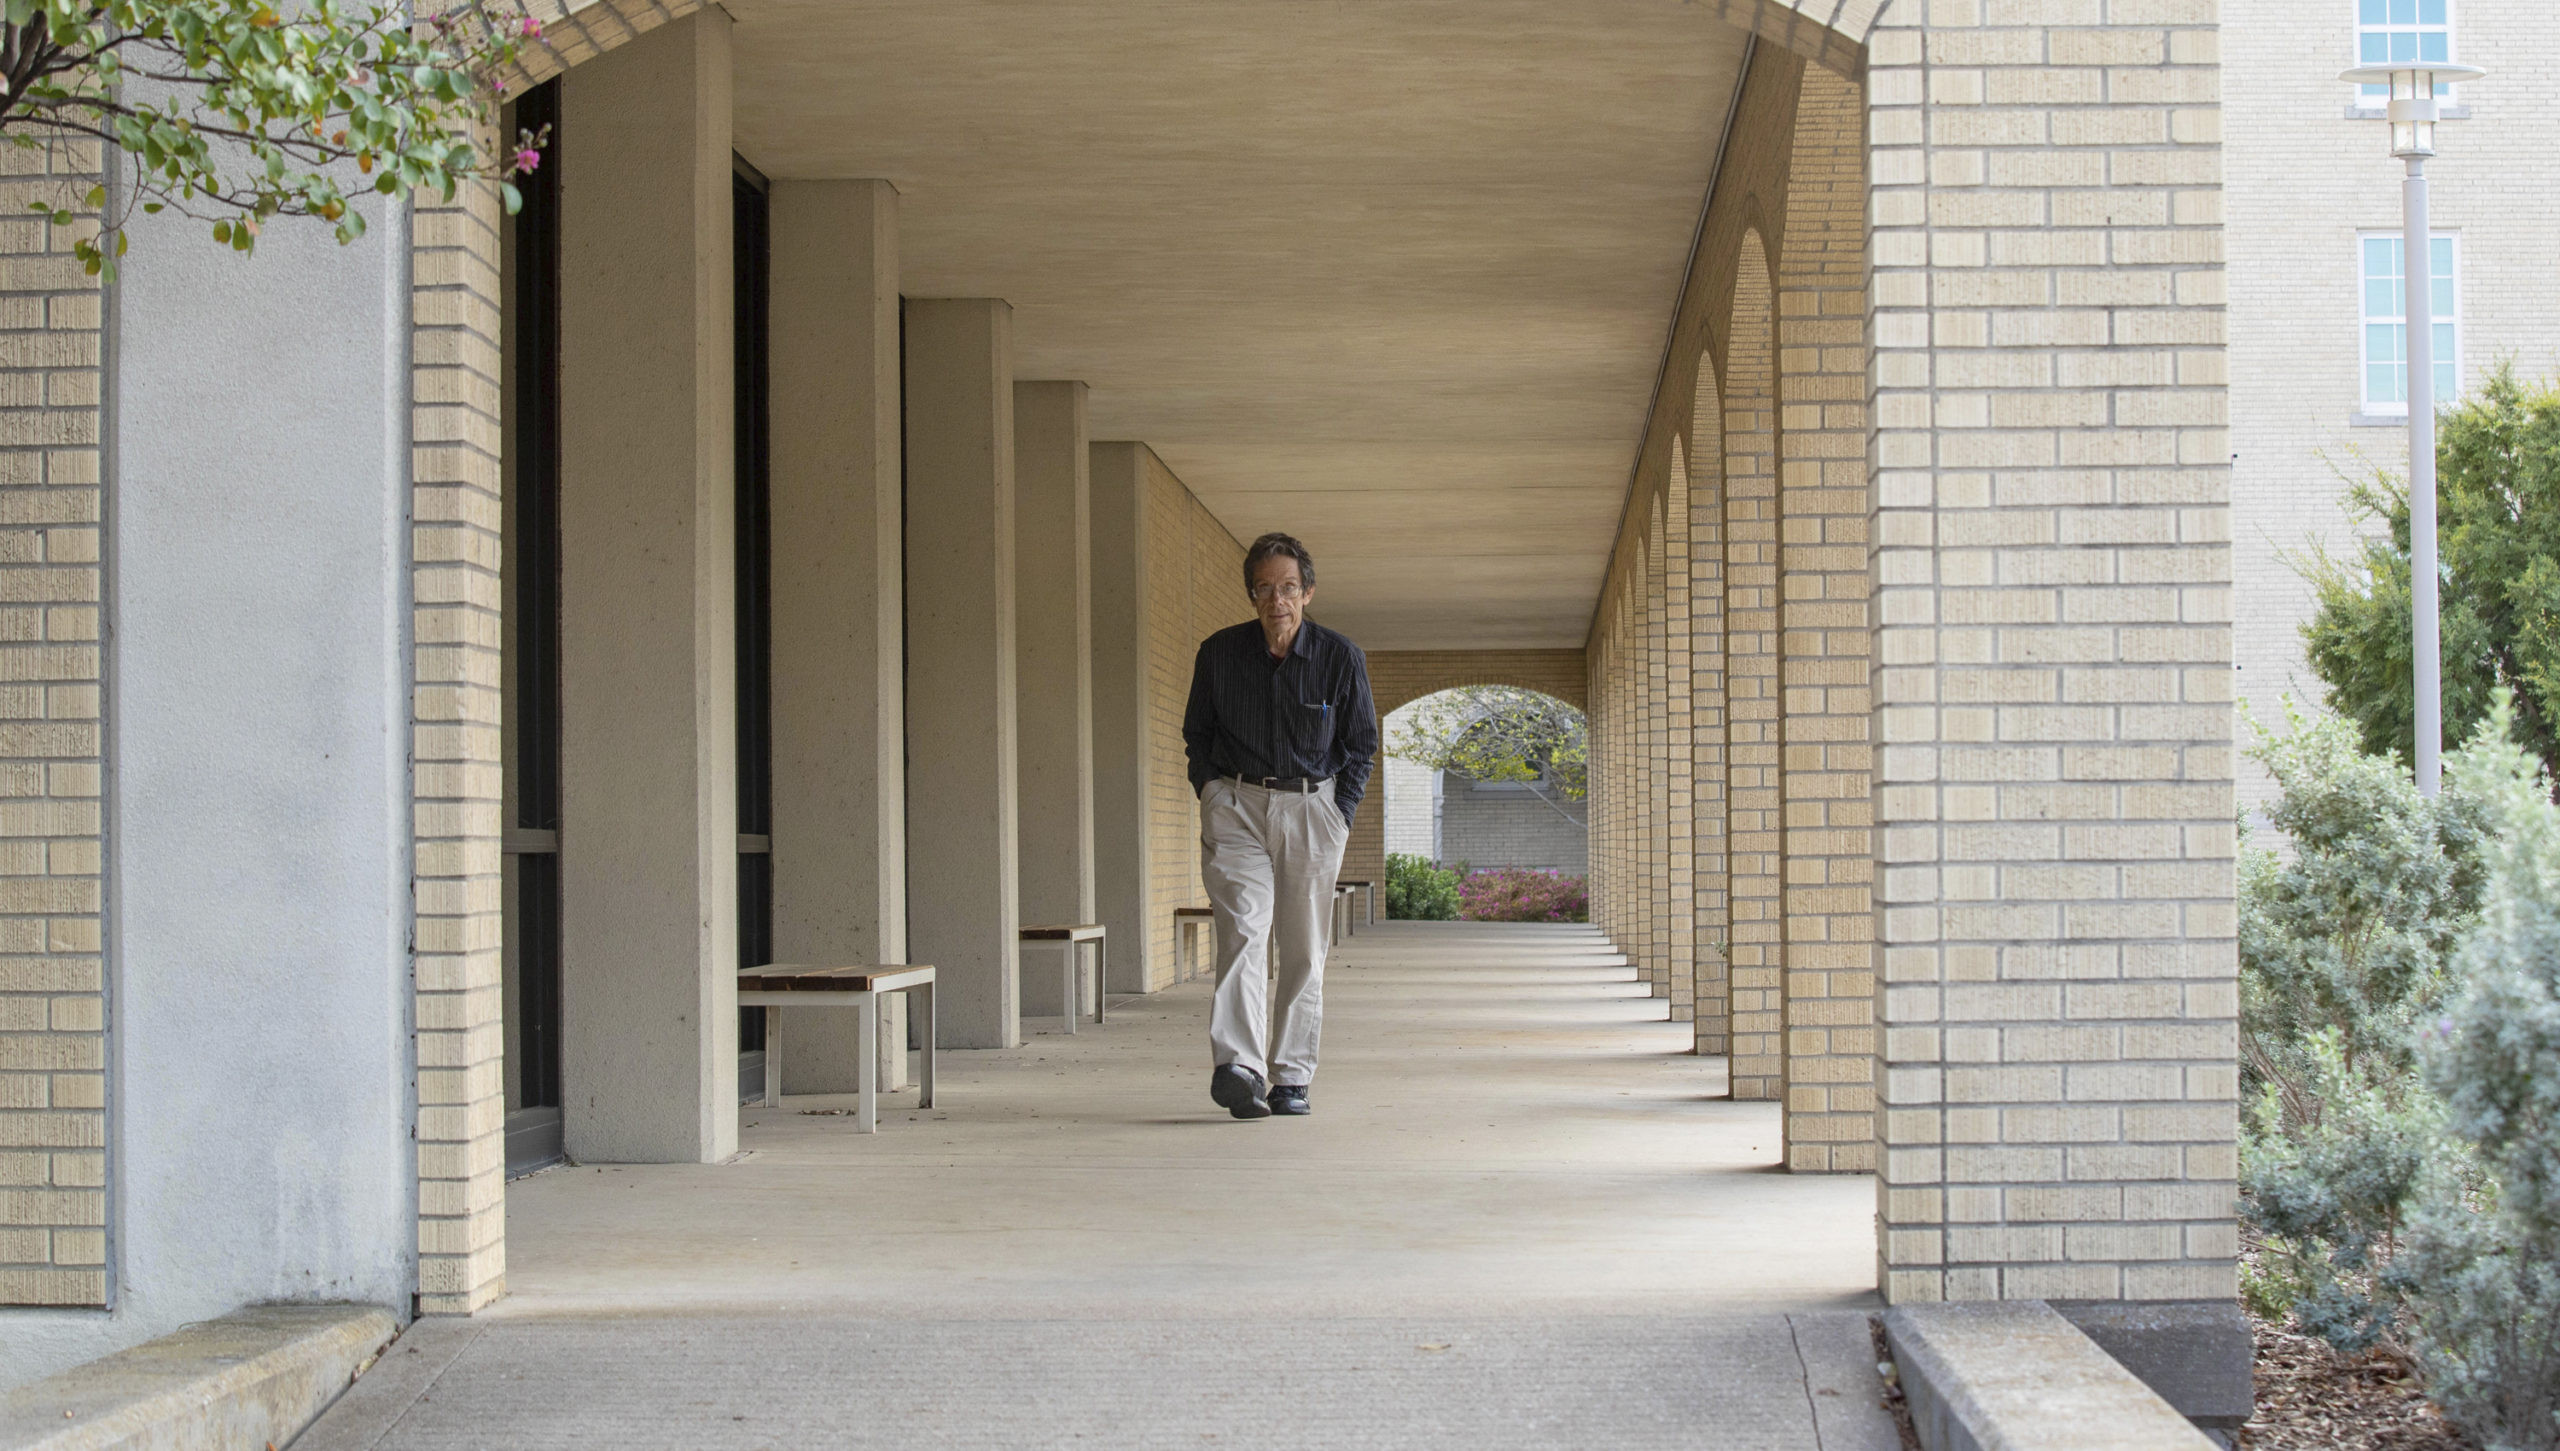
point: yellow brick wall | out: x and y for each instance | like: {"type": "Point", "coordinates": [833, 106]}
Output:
{"type": "Point", "coordinates": [53, 1024]}
{"type": "Point", "coordinates": [1194, 588]}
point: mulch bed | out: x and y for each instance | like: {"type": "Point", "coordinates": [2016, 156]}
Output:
{"type": "Point", "coordinates": [2311, 1398]}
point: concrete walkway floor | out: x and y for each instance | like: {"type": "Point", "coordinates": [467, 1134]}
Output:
{"type": "Point", "coordinates": [1521, 1215]}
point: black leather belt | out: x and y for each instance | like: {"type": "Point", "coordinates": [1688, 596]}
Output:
{"type": "Point", "coordinates": [1300, 784]}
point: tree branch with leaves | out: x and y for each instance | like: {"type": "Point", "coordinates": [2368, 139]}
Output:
{"type": "Point", "coordinates": [235, 114]}
{"type": "Point", "coordinates": [1500, 733]}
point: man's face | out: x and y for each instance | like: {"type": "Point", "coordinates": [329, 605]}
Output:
{"type": "Point", "coordinates": [1277, 598]}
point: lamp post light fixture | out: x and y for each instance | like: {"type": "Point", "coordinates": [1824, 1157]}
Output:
{"type": "Point", "coordinates": [2412, 113]}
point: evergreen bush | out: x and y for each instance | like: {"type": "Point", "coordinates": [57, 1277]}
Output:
{"type": "Point", "coordinates": [1418, 891]}
{"type": "Point", "coordinates": [2342, 950]}
{"type": "Point", "coordinates": [2482, 1274]}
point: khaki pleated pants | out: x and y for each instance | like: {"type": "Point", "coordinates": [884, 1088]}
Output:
{"type": "Point", "coordinates": [1269, 859]}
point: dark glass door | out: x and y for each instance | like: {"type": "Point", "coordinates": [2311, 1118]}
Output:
{"type": "Point", "coordinates": [532, 549]}
{"type": "Point", "coordinates": [754, 604]}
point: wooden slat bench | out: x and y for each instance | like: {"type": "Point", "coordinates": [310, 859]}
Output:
{"type": "Point", "coordinates": [1368, 896]}
{"type": "Point", "coordinates": [793, 985]}
{"type": "Point", "coordinates": [1186, 922]}
{"type": "Point", "coordinates": [1070, 939]}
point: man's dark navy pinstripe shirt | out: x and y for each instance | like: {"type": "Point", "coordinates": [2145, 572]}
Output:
{"type": "Point", "coordinates": [1306, 715]}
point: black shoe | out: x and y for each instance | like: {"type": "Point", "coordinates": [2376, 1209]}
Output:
{"type": "Point", "coordinates": [1290, 1099]}
{"type": "Point", "coordinates": [1238, 1091]}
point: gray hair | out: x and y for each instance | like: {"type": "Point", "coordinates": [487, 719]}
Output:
{"type": "Point", "coordinates": [1273, 546]}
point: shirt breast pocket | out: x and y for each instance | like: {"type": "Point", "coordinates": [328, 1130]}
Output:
{"type": "Point", "coordinates": [1311, 731]}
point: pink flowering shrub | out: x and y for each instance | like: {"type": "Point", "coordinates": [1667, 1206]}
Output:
{"type": "Point", "coordinates": [1516, 894]}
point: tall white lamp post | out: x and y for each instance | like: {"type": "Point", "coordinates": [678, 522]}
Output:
{"type": "Point", "coordinates": [2412, 113]}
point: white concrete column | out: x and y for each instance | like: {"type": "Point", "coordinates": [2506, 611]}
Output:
{"type": "Point", "coordinates": [1053, 662]}
{"type": "Point", "coordinates": [1123, 730]}
{"type": "Point", "coordinates": [839, 656]}
{"type": "Point", "coordinates": [962, 802]}
{"type": "Point", "coordinates": [649, 814]}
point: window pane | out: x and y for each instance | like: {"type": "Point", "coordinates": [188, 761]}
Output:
{"type": "Point", "coordinates": [2373, 49]}
{"type": "Point", "coordinates": [2382, 384]}
{"type": "Point", "coordinates": [2440, 256]}
{"type": "Point", "coordinates": [2431, 12]}
{"type": "Point", "coordinates": [2382, 258]}
{"type": "Point", "coordinates": [2445, 386]}
{"type": "Point", "coordinates": [2431, 46]}
{"type": "Point", "coordinates": [2404, 45]}
{"type": "Point", "coordinates": [2404, 12]}
{"type": "Point", "coordinates": [2370, 12]}
{"type": "Point", "coordinates": [2440, 296]}
{"type": "Point", "coordinates": [2382, 341]}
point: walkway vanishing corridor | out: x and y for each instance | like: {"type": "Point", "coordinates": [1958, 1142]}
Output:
{"type": "Point", "coordinates": [1519, 1217]}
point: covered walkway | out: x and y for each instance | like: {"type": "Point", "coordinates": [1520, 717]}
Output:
{"type": "Point", "coordinates": [1523, 1215]}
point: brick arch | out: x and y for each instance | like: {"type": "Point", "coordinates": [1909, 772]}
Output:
{"type": "Point", "coordinates": [1397, 678]}
{"type": "Point", "coordinates": [1830, 33]}
{"type": "Point", "coordinates": [576, 31]}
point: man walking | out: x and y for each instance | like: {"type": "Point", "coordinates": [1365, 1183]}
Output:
{"type": "Point", "coordinates": [1281, 737]}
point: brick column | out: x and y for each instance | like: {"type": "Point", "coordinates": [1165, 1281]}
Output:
{"type": "Point", "coordinates": [1822, 429]}
{"type": "Point", "coordinates": [2053, 676]}
{"type": "Point", "coordinates": [1630, 754]}
{"type": "Point", "coordinates": [53, 991]}
{"type": "Point", "coordinates": [1752, 730]}
{"type": "Point", "coordinates": [1679, 787]}
{"type": "Point", "coordinates": [1655, 779]}
{"type": "Point", "coordinates": [457, 815]}
{"type": "Point", "coordinates": [1714, 927]}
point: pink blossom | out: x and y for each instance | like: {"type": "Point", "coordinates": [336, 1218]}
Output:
{"type": "Point", "coordinates": [1515, 894]}
{"type": "Point", "coordinates": [529, 28]}
{"type": "Point", "coordinates": [527, 159]}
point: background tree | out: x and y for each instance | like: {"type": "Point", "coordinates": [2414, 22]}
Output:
{"type": "Point", "coordinates": [1500, 733]}
{"type": "Point", "coordinates": [234, 113]}
{"type": "Point", "coordinates": [2498, 466]}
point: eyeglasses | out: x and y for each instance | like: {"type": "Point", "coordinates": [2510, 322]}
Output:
{"type": "Point", "coordinates": [1287, 589]}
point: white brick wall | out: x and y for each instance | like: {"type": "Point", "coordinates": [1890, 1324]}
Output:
{"type": "Point", "coordinates": [2304, 181]}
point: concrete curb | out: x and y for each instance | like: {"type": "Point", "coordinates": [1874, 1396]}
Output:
{"type": "Point", "coordinates": [2017, 1376]}
{"type": "Point", "coordinates": [251, 1379]}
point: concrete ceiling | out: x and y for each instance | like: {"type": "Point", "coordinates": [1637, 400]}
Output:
{"type": "Point", "coordinates": [1393, 276]}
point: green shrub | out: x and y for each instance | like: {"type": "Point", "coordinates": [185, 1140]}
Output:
{"type": "Point", "coordinates": [1417, 891]}
{"type": "Point", "coordinates": [2400, 1019]}
{"type": "Point", "coordinates": [2482, 1273]}
{"type": "Point", "coordinates": [2342, 949]}
{"type": "Point", "coordinates": [2498, 530]}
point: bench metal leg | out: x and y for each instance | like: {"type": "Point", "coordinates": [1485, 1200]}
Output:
{"type": "Point", "coordinates": [866, 1017]}
{"type": "Point", "coordinates": [924, 1077]}
{"type": "Point", "coordinates": [1101, 970]}
{"type": "Point", "coordinates": [773, 1058]}
{"type": "Point", "coordinates": [1067, 983]}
